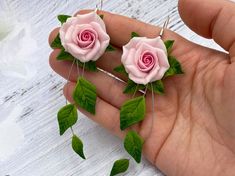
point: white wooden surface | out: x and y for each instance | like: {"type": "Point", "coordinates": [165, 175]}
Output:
{"type": "Point", "coordinates": [43, 151]}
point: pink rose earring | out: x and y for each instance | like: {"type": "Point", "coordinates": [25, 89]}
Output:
{"type": "Point", "coordinates": [146, 62]}
{"type": "Point", "coordinates": [83, 40]}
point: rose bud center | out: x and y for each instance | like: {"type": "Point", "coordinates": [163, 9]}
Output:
{"type": "Point", "coordinates": [86, 38]}
{"type": "Point", "coordinates": [146, 62]}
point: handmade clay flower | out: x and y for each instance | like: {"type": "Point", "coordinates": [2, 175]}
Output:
{"type": "Point", "coordinates": [84, 37]}
{"type": "Point", "coordinates": [145, 60]}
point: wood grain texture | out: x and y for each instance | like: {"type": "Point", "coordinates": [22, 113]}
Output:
{"type": "Point", "coordinates": [44, 152]}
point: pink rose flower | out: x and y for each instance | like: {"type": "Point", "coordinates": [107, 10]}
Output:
{"type": "Point", "coordinates": [145, 60]}
{"type": "Point", "coordinates": [84, 37]}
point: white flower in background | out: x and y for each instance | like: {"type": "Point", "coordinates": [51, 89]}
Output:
{"type": "Point", "coordinates": [17, 48]}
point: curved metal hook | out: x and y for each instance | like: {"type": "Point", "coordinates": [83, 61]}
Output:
{"type": "Point", "coordinates": [164, 26]}
{"type": "Point", "coordinates": [97, 6]}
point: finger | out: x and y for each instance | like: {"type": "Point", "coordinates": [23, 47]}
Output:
{"type": "Point", "coordinates": [106, 114]}
{"type": "Point", "coordinates": [212, 19]}
{"type": "Point", "coordinates": [108, 88]}
{"type": "Point", "coordinates": [120, 28]}
{"type": "Point", "coordinates": [53, 35]}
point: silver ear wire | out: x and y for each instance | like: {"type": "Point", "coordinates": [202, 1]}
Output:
{"type": "Point", "coordinates": [97, 6]}
{"type": "Point", "coordinates": [164, 26]}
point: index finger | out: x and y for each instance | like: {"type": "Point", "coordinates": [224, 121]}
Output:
{"type": "Point", "coordinates": [120, 28]}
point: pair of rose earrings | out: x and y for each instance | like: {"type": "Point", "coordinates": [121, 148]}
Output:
{"type": "Point", "coordinates": [145, 61]}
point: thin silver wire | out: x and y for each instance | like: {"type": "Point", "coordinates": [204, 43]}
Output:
{"type": "Point", "coordinates": [68, 77]}
{"type": "Point", "coordinates": [135, 90]}
{"type": "Point", "coordinates": [164, 26]}
{"type": "Point", "coordinates": [97, 6]}
{"type": "Point", "coordinates": [70, 71]}
{"type": "Point", "coordinates": [151, 84]}
{"type": "Point", "coordinates": [77, 69]}
{"type": "Point", "coordinates": [153, 105]}
{"type": "Point", "coordinates": [145, 91]}
{"type": "Point", "coordinates": [83, 69]}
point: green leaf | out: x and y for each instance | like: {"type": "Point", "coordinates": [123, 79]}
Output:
{"type": "Point", "coordinates": [85, 95]}
{"type": "Point", "coordinates": [175, 67]}
{"type": "Point", "coordinates": [119, 166]}
{"type": "Point", "coordinates": [133, 144]}
{"type": "Point", "coordinates": [67, 117]}
{"type": "Point", "coordinates": [133, 111]}
{"type": "Point", "coordinates": [63, 18]}
{"type": "Point", "coordinates": [77, 146]}
{"type": "Point", "coordinates": [132, 87]}
{"type": "Point", "coordinates": [169, 44]}
{"type": "Point", "coordinates": [57, 42]}
{"type": "Point", "coordinates": [110, 48]}
{"type": "Point", "coordinates": [63, 55]}
{"type": "Point", "coordinates": [101, 16]}
{"type": "Point", "coordinates": [91, 65]}
{"type": "Point", "coordinates": [121, 69]}
{"type": "Point", "coordinates": [157, 86]}
{"type": "Point", "coordinates": [134, 34]}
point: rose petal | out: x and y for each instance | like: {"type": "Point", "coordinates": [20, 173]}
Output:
{"type": "Point", "coordinates": [91, 17]}
{"type": "Point", "coordinates": [75, 51]}
{"type": "Point", "coordinates": [147, 56]}
{"type": "Point", "coordinates": [103, 36]}
{"type": "Point", "coordinates": [87, 44]}
{"type": "Point", "coordinates": [154, 42]}
{"type": "Point", "coordinates": [77, 29]}
{"type": "Point", "coordinates": [154, 74]}
{"type": "Point", "coordinates": [92, 55]}
{"type": "Point", "coordinates": [142, 48]}
{"type": "Point", "coordinates": [131, 69]}
{"type": "Point", "coordinates": [68, 35]}
{"type": "Point", "coordinates": [138, 80]}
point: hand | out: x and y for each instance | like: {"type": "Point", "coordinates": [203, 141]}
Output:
{"type": "Point", "coordinates": [194, 128]}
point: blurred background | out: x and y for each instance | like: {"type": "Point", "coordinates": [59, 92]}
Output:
{"type": "Point", "coordinates": [31, 93]}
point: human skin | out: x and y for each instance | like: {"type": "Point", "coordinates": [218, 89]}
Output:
{"type": "Point", "coordinates": [194, 128]}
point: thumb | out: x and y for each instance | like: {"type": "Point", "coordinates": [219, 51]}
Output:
{"type": "Point", "coordinates": [211, 19]}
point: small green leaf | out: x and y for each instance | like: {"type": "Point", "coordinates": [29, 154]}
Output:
{"type": "Point", "coordinates": [119, 166]}
{"type": "Point", "coordinates": [169, 44]}
{"type": "Point", "coordinates": [175, 67]}
{"type": "Point", "coordinates": [157, 86]}
{"type": "Point", "coordinates": [77, 146]}
{"type": "Point", "coordinates": [91, 65]}
{"type": "Point", "coordinates": [110, 48]}
{"type": "Point", "coordinates": [67, 117]}
{"type": "Point", "coordinates": [85, 95]}
{"type": "Point", "coordinates": [132, 87]}
{"type": "Point", "coordinates": [63, 18]}
{"type": "Point", "coordinates": [63, 55]}
{"type": "Point", "coordinates": [101, 16]}
{"type": "Point", "coordinates": [133, 144]}
{"type": "Point", "coordinates": [56, 43]}
{"type": "Point", "coordinates": [134, 34]}
{"type": "Point", "coordinates": [132, 112]}
{"type": "Point", "coordinates": [120, 69]}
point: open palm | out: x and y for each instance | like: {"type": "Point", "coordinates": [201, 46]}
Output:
{"type": "Point", "coordinates": [194, 125]}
